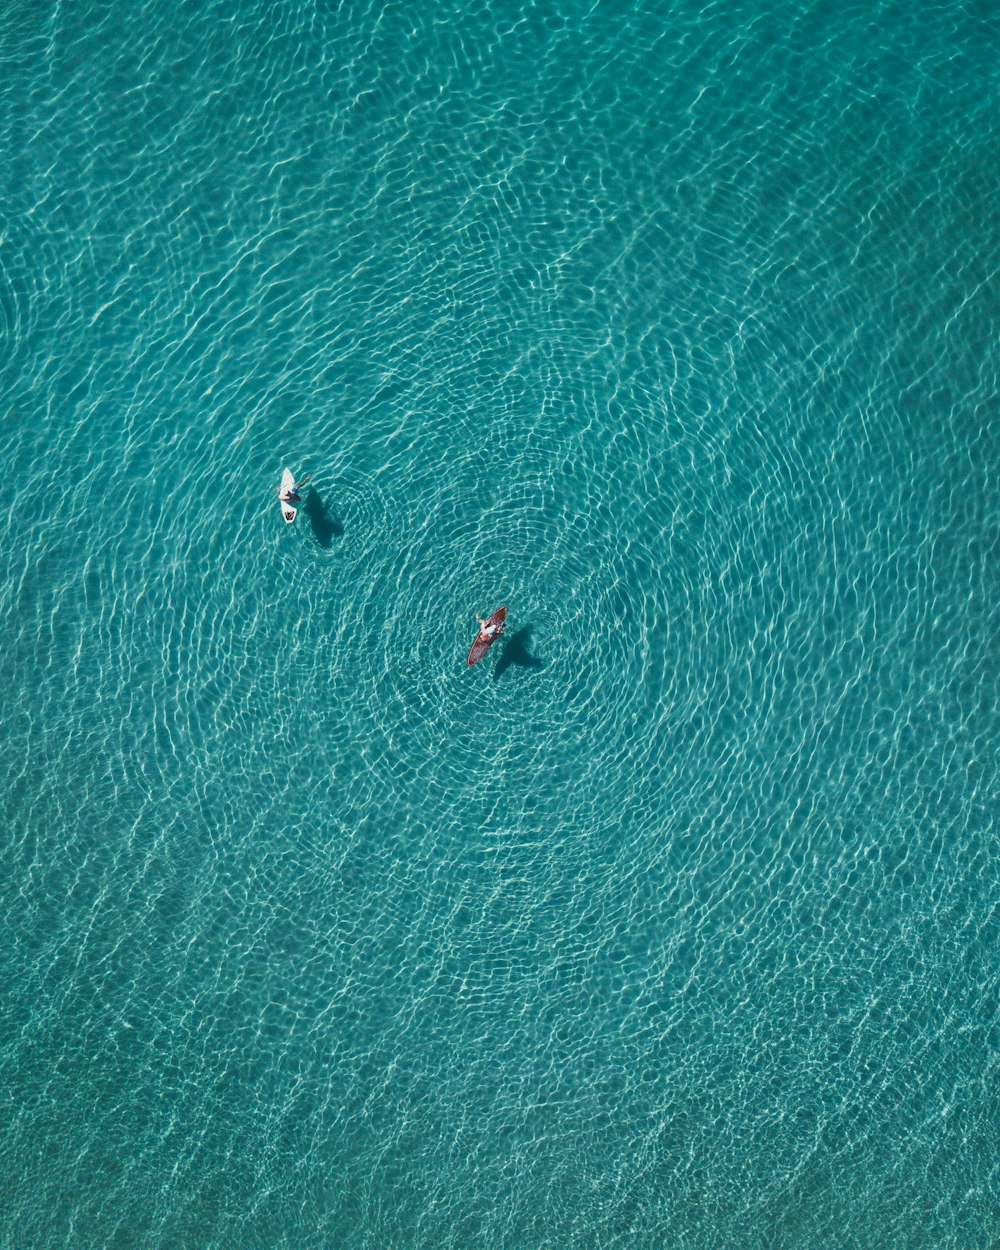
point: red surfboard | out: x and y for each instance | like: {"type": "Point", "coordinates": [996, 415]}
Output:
{"type": "Point", "coordinates": [481, 646]}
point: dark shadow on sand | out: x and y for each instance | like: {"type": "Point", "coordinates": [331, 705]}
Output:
{"type": "Point", "coordinates": [515, 651]}
{"type": "Point", "coordinates": [325, 527]}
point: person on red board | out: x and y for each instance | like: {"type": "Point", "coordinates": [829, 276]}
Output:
{"type": "Point", "coordinates": [488, 630]}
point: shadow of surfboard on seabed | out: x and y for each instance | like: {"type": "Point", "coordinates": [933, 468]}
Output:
{"type": "Point", "coordinates": [325, 527]}
{"type": "Point", "coordinates": [515, 652]}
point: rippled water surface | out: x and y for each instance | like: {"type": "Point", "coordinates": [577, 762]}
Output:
{"type": "Point", "coordinates": [673, 922]}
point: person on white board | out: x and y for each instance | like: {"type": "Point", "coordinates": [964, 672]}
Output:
{"type": "Point", "coordinates": [290, 494]}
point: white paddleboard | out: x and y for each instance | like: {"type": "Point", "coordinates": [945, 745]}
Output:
{"type": "Point", "coordinates": [288, 510]}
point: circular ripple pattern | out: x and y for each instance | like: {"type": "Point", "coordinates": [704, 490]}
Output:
{"type": "Point", "coordinates": [671, 921]}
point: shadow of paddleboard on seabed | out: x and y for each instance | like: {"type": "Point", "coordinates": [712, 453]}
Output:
{"type": "Point", "coordinates": [325, 527]}
{"type": "Point", "coordinates": [515, 651]}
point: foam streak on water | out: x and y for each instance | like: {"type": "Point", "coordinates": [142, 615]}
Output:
{"type": "Point", "coordinates": [673, 922]}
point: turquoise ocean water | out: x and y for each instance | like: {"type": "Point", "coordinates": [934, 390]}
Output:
{"type": "Point", "coordinates": [674, 922]}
